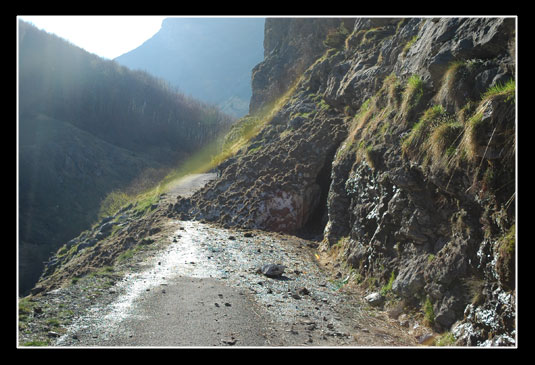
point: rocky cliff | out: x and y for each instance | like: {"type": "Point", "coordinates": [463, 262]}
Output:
{"type": "Point", "coordinates": [394, 139]}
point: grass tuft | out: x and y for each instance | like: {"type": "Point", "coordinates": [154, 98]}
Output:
{"type": "Point", "coordinates": [507, 89]}
{"type": "Point", "coordinates": [412, 95]}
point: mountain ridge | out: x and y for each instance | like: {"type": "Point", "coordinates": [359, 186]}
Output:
{"type": "Point", "coordinates": [86, 127]}
{"type": "Point", "coordinates": [189, 54]}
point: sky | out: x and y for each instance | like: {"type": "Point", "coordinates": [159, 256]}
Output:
{"type": "Point", "coordinates": [105, 36]}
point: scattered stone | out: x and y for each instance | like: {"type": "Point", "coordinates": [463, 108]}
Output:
{"type": "Point", "coordinates": [147, 241]}
{"type": "Point", "coordinates": [52, 334]}
{"type": "Point", "coordinates": [248, 234]}
{"type": "Point", "coordinates": [395, 312]}
{"type": "Point", "coordinates": [154, 230]}
{"type": "Point", "coordinates": [374, 299]}
{"type": "Point", "coordinates": [273, 270]}
{"type": "Point", "coordinates": [426, 339]}
{"type": "Point", "coordinates": [229, 340]}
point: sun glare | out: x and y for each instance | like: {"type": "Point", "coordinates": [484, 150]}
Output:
{"type": "Point", "coordinates": [105, 36]}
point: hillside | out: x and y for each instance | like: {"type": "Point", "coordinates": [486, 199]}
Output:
{"type": "Point", "coordinates": [393, 142]}
{"type": "Point", "coordinates": [380, 152]}
{"type": "Point", "coordinates": [88, 126]}
{"type": "Point", "coordinates": [208, 58]}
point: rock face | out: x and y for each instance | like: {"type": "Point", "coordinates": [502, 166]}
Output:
{"type": "Point", "coordinates": [399, 136]}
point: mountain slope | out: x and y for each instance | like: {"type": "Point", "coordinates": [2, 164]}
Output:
{"type": "Point", "coordinates": [208, 58]}
{"type": "Point", "coordinates": [392, 142]}
{"type": "Point", "coordinates": [395, 143]}
{"type": "Point", "coordinates": [88, 126]}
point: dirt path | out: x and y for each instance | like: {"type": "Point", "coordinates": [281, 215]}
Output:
{"type": "Point", "coordinates": [187, 185]}
{"type": "Point", "coordinates": [203, 288]}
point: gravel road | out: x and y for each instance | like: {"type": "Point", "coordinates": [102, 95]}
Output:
{"type": "Point", "coordinates": [203, 288]}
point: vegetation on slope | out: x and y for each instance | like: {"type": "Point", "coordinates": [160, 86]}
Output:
{"type": "Point", "coordinates": [86, 127]}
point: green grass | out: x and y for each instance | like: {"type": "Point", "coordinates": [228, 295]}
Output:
{"type": "Point", "coordinates": [477, 128]}
{"type": "Point", "coordinates": [126, 255]}
{"type": "Point", "coordinates": [36, 343]}
{"type": "Point", "coordinates": [54, 322]}
{"type": "Point", "coordinates": [508, 89]}
{"type": "Point", "coordinates": [106, 271]}
{"type": "Point", "coordinates": [414, 90]}
{"type": "Point", "coordinates": [409, 44]}
{"type": "Point", "coordinates": [509, 241]}
{"type": "Point", "coordinates": [429, 313]}
{"type": "Point", "coordinates": [446, 339]}
{"type": "Point", "coordinates": [388, 287]}
{"type": "Point", "coordinates": [25, 306]}
{"type": "Point", "coordinates": [452, 72]}
{"type": "Point", "coordinates": [421, 129]}
{"type": "Point", "coordinates": [372, 119]}
{"type": "Point", "coordinates": [113, 202]}
{"type": "Point", "coordinates": [415, 83]}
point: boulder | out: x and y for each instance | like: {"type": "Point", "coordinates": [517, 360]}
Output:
{"type": "Point", "coordinates": [273, 270]}
{"type": "Point", "coordinates": [374, 299]}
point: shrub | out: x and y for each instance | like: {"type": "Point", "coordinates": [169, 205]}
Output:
{"type": "Point", "coordinates": [112, 203]}
{"type": "Point", "coordinates": [429, 313]}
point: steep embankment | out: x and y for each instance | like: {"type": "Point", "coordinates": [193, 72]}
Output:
{"type": "Point", "coordinates": [87, 126]}
{"type": "Point", "coordinates": [396, 139]}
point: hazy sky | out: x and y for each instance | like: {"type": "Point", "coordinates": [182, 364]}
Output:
{"type": "Point", "coordinates": [105, 36]}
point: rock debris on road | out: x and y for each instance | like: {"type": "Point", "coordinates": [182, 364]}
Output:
{"type": "Point", "coordinates": [211, 286]}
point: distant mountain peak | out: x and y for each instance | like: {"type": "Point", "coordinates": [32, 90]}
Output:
{"type": "Point", "coordinates": [208, 58]}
